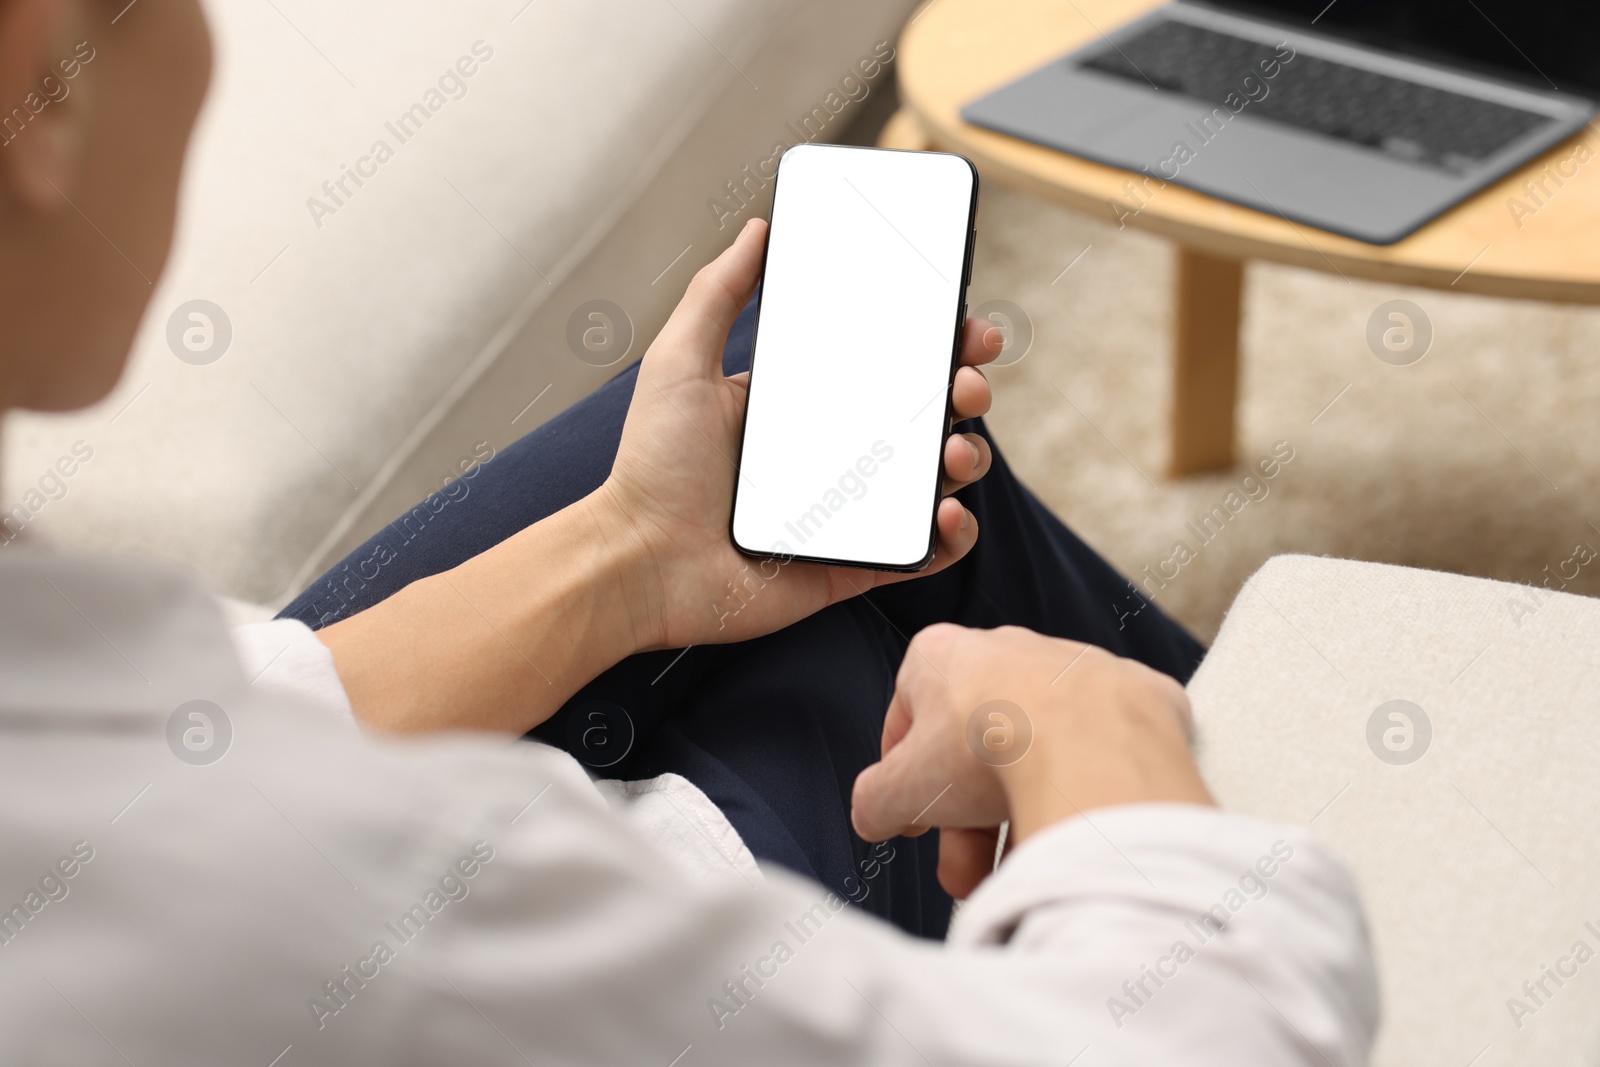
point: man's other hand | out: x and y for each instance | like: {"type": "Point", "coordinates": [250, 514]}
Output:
{"type": "Point", "coordinates": [987, 725]}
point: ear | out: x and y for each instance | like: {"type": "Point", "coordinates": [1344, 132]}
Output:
{"type": "Point", "coordinates": [42, 110]}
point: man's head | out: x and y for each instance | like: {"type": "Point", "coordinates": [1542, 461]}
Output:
{"type": "Point", "coordinates": [97, 98]}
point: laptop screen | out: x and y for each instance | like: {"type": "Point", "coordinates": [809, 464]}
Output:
{"type": "Point", "coordinates": [1539, 43]}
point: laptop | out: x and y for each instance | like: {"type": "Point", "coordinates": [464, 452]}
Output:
{"type": "Point", "coordinates": [1367, 118]}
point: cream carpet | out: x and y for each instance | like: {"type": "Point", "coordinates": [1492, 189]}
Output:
{"type": "Point", "coordinates": [1483, 458]}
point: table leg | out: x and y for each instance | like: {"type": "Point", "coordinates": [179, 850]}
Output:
{"type": "Point", "coordinates": [904, 131]}
{"type": "Point", "coordinates": [1205, 371]}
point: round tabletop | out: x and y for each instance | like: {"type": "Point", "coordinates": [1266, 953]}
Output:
{"type": "Point", "coordinates": [1504, 241]}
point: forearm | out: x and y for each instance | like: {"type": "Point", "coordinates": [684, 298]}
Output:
{"type": "Point", "coordinates": [500, 642]}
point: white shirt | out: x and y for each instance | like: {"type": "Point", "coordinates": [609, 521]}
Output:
{"type": "Point", "coordinates": [317, 896]}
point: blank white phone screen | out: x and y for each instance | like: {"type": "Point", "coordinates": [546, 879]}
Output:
{"type": "Point", "coordinates": [860, 306]}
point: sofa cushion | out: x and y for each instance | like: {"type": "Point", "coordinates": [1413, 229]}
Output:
{"type": "Point", "coordinates": [1471, 823]}
{"type": "Point", "coordinates": [397, 208]}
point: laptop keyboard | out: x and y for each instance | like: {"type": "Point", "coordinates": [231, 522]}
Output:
{"type": "Point", "coordinates": [1404, 119]}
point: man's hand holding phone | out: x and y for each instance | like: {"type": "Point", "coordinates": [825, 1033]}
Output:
{"type": "Point", "coordinates": [671, 487]}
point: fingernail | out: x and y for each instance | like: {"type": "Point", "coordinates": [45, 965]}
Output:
{"type": "Point", "coordinates": [966, 519]}
{"type": "Point", "coordinates": [976, 455]}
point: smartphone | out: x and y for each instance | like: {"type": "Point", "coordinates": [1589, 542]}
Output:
{"type": "Point", "coordinates": [857, 337]}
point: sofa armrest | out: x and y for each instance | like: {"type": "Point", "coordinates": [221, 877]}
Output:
{"type": "Point", "coordinates": [1469, 811]}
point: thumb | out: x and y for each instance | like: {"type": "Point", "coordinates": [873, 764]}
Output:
{"type": "Point", "coordinates": [690, 344]}
{"type": "Point", "coordinates": [888, 797]}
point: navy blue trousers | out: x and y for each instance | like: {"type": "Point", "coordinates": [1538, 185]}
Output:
{"type": "Point", "coordinates": [776, 729]}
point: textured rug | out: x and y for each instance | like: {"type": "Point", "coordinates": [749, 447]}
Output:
{"type": "Point", "coordinates": [1482, 458]}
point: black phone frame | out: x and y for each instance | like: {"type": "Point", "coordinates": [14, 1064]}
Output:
{"type": "Point", "coordinates": [949, 393]}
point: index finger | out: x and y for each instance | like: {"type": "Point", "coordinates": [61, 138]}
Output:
{"type": "Point", "coordinates": [981, 342]}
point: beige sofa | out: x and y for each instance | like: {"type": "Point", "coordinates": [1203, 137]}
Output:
{"type": "Point", "coordinates": [394, 310]}
{"type": "Point", "coordinates": [1472, 824]}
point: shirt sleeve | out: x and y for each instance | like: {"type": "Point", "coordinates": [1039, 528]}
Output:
{"type": "Point", "coordinates": [1146, 934]}
{"type": "Point", "coordinates": [1204, 925]}
{"type": "Point", "coordinates": [284, 658]}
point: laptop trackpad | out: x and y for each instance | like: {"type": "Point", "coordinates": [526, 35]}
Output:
{"type": "Point", "coordinates": [1262, 164]}
{"type": "Point", "coordinates": [1181, 141]}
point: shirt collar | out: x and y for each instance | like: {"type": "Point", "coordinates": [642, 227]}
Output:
{"type": "Point", "coordinates": [93, 634]}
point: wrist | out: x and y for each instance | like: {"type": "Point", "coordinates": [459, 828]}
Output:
{"type": "Point", "coordinates": [1084, 757]}
{"type": "Point", "coordinates": [625, 568]}
{"type": "Point", "coordinates": [582, 578]}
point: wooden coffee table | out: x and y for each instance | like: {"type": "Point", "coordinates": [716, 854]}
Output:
{"type": "Point", "coordinates": [954, 51]}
